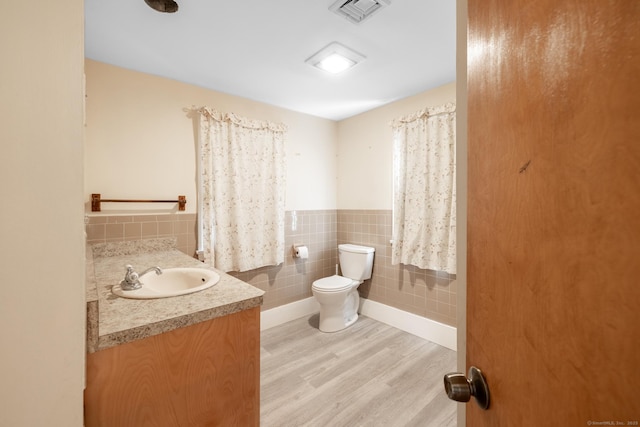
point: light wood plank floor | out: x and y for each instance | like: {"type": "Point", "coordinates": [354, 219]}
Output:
{"type": "Point", "coordinates": [370, 374]}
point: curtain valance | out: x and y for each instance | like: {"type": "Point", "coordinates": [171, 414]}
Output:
{"type": "Point", "coordinates": [245, 122]}
{"type": "Point", "coordinates": [449, 107]}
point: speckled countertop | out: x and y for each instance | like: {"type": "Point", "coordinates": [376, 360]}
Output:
{"type": "Point", "coordinates": [112, 320]}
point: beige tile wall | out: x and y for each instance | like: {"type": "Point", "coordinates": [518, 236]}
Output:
{"type": "Point", "coordinates": [292, 280]}
{"type": "Point", "coordinates": [118, 228]}
{"type": "Point", "coordinates": [423, 292]}
{"type": "Point", "coordinates": [426, 293]}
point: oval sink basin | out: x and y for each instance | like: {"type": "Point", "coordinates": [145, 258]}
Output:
{"type": "Point", "coordinates": [172, 282]}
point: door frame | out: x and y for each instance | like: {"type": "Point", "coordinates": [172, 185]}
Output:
{"type": "Point", "coordinates": [461, 191]}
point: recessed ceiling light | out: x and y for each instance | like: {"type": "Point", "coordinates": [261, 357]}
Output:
{"type": "Point", "coordinates": [335, 63]}
{"type": "Point", "coordinates": [335, 58]}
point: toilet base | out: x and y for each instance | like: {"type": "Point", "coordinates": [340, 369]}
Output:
{"type": "Point", "coordinates": [336, 317]}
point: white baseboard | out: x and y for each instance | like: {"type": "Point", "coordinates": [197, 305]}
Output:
{"type": "Point", "coordinates": [288, 312]}
{"type": "Point", "coordinates": [422, 327]}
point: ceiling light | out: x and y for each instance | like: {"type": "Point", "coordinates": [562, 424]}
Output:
{"type": "Point", "coordinates": [335, 63]}
{"type": "Point", "coordinates": [335, 58]}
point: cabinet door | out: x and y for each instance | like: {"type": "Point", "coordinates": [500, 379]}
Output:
{"type": "Point", "coordinates": [204, 374]}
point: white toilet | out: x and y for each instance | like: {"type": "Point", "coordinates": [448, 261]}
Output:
{"type": "Point", "coordinates": [338, 295]}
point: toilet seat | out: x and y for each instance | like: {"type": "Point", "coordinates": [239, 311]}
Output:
{"type": "Point", "coordinates": [333, 283]}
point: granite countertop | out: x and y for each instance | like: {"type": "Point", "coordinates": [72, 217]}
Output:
{"type": "Point", "coordinates": [112, 320]}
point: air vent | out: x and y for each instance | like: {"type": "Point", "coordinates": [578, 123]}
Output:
{"type": "Point", "coordinates": [357, 11]}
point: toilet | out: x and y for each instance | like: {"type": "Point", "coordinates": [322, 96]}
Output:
{"type": "Point", "coordinates": [338, 295]}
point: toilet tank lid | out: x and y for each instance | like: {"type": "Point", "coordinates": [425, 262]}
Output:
{"type": "Point", "coordinates": [347, 247]}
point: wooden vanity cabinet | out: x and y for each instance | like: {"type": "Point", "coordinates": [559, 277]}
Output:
{"type": "Point", "coordinates": [207, 374]}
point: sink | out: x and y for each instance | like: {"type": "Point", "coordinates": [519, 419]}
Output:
{"type": "Point", "coordinates": [172, 282]}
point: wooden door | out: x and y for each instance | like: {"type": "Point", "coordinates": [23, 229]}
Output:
{"type": "Point", "coordinates": [554, 211]}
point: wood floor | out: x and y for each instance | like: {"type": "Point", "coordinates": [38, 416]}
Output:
{"type": "Point", "coordinates": [370, 374]}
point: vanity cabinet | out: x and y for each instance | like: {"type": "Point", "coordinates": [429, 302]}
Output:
{"type": "Point", "coordinates": [206, 374]}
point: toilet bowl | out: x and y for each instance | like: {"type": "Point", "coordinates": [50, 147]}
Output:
{"type": "Point", "coordinates": [339, 300]}
{"type": "Point", "coordinates": [338, 295]}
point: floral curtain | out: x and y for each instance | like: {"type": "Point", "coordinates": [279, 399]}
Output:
{"type": "Point", "coordinates": [424, 203]}
{"type": "Point", "coordinates": [242, 171]}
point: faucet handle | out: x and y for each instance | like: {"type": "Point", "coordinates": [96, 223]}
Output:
{"type": "Point", "coordinates": [130, 276]}
{"type": "Point", "coordinates": [130, 281]}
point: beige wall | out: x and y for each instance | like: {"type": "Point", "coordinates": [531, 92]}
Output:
{"type": "Point", "coordinates": [365, 150]}
{"type": "Point", "coordinates": [42, 310]}
{"type": "Point", "coordinates": [140, 141]}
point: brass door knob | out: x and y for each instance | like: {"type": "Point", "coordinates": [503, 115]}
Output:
{"type": "Point", "coordinates": [461, 388]}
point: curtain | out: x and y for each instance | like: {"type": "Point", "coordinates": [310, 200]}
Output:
{"type": "Point", "coordinates": [242, 171]}
{"type": "Point", "coordinates": [424, 202]}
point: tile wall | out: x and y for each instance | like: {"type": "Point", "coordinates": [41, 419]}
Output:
{"type": "Point", "coordinates": [118, 228]}
{"type": "Point", "coordinates": [292, 280]}
{"type": "Point", "coordinates": [426, 293]}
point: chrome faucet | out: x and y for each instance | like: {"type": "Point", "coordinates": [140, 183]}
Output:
{"type": "Point", "coordinates": [131, 279]}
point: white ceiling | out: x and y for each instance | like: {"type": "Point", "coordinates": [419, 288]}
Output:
{"type": "Point", "coordinates": [256, 49]}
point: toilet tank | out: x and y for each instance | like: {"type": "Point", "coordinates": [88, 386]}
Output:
{"type": "Point", "coordinates": [356, 262]}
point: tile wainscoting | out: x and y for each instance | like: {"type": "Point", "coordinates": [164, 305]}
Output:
{"type": "Point", "coordinates": [426, 293]}
{"type": "Point", "coordinates": [292, 280]}
{"type": "Point", "coordinates": [103, 228]}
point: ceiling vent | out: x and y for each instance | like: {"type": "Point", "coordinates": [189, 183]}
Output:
{"type": "Point", "coordinates": [357, 11]}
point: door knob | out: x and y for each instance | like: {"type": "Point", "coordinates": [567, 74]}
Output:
{"type": "Point", "coordinates": [461, 388]}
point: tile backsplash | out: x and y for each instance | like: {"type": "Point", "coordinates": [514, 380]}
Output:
{"type": "Point", "coordinates": [121, 228]}
{"type": "Point", "coordinates": [426, 293]}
